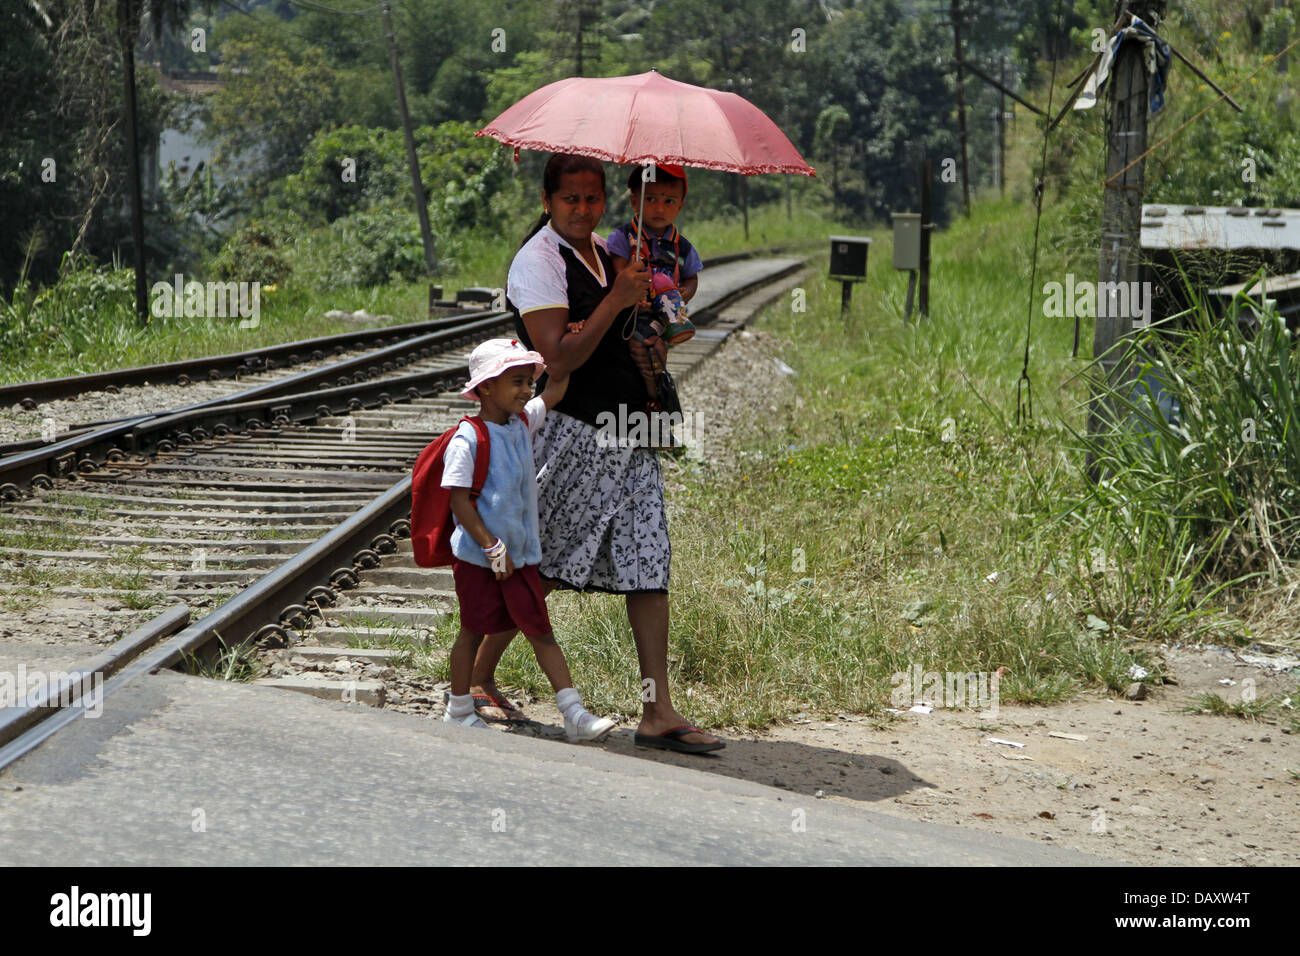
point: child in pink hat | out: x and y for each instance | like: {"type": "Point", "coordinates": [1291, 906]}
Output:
{"type": "Point", "coordinates": [496, 546]}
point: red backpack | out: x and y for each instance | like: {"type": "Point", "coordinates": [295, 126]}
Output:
{"type": "Point", "coordinates": [431, 519]}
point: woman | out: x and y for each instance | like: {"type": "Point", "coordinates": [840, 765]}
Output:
{"type": "Point", "coordinates": [601, 506]}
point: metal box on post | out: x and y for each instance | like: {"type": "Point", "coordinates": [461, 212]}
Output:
{"type": "Point", "coordinates": [907, 240]}
{"type": "Point", "coordinates": [849, 257]}
{"type": "Point", "coordinates": [849, 265]}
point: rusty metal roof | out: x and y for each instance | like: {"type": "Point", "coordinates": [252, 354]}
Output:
{"type": "Point", "coordinates": [1219, 227]}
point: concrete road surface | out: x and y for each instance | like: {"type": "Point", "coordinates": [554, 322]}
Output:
{"type": "Point", "coordinates": [182, 770]}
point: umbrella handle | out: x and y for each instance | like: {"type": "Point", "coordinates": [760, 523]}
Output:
{"type": "Point", "coordinates": [640, 216]}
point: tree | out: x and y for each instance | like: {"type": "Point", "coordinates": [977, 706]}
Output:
{"type": "Point", "coordinates": [890, 75]}
{"type": "Point", "coordinates": [832, 123]}
{"type": "Point", "coordinates": [272, 101]}
{"type": "Point", "coordinates": [30, 137]}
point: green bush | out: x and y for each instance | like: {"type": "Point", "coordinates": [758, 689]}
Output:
{"type": "Point", "coordinates": [254, 254]}
{"type": "Point", "coordinates": [90, 305]}
{"type": "Point", "coordinates": [461, 173]}
{"type": "Point", "coordinates": [382, 244]}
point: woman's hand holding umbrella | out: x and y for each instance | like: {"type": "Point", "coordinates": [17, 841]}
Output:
{"type": "Point", "coordinates": [632, 286]}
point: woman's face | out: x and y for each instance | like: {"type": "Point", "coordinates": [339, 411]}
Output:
{"type": "Point", "coordinates": [576, 207]}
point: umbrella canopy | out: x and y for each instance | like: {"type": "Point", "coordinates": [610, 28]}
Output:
{"type": "Point", "coordinates": [648, 118]}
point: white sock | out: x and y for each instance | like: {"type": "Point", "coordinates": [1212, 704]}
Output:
{"type": "Point", "coordinates": [570, 703]}
{"type": "Point", "coordinates": [461, 706]}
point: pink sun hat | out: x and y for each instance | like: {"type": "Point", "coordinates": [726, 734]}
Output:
{"type": "Point", "coordinates": [495, 356]}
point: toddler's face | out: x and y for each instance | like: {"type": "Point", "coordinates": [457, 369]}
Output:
{"type": "Point", "coordinates": [663, 202]}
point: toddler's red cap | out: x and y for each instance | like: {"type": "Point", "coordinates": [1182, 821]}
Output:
{"type": "Point", "coordinates": [674, 171]}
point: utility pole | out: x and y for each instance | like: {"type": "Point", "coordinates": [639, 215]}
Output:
{"type": "Point", "coordinates": [580, 14]}
{"type": "Point", "coordinates": [744, 203]}
{"type": "Point", "coordinates": [1121, 218]}
{"type": "Point", "coordinates": [744, 84]}
{"type": "Point", "coordinates": [923, 303]}
{"type": "Point", "coordinates": [1281, 61]}
{"type": "Point", "coordinates": [961, 106]}
{"type": "Point", "coordinates": [578, 66]}
{"type": "Point", "coordinates": [417, 185]}
{"type": "Point", "coordinates": [127, 25]}
{"type": "Point", "coordinates": [1002, 128]}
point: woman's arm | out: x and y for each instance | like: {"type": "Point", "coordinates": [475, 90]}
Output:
{"type": "Point", "coordinates": [566, 351]}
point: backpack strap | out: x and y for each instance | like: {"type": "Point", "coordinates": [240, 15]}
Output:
{"type": "Point", "coordinates": [482, 452]}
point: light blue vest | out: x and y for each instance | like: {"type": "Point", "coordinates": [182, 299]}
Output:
{"type": "Point", "coordinates": [508, 503]}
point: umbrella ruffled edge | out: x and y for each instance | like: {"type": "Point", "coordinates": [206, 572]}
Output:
{"type": "Point", "coordinates": [751, 169]}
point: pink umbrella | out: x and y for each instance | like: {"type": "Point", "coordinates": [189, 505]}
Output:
{"type": "Point", "coordinates": [648, 118]}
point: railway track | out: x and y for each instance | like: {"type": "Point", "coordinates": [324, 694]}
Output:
{"type": "Point", "coordinates": [273, 519]}
{"type": "Point", "coordinates": [216, 368]}
{"type": "Point", "coordinates": [260, 377]}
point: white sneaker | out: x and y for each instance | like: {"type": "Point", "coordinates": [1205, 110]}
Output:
{"type": "Point", "coordinates": [472, 719]}
{"type": "Point", "coordinates": [587, 726]}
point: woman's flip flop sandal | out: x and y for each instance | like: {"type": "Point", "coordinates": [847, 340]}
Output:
{"type": "Point", "coordinates": [672, 740]}
{"type": "Point", "coordinates": [513, 714]}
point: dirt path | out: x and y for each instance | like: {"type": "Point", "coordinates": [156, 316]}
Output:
{"type": "Point", "coordinates": [1150, 785]}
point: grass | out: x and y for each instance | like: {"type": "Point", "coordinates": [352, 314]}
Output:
{"type": "Point", "coordinates": [410, 645]}
{"type": "Point", "coordinates": [58, 502]}
{"type": "Point", "coordinates": [20, 598]}
{"type": "Point", "coordinates": [1268, 708]}
{"type": "Point", "coordinates": [40, 575]}
{"type": "Point", "coordinates": [1220, 486]}
{"type": "Point", "coordinates": [139, 601]}
{"type": "Point", "coordinates": [269, 533]}
{"type": "Point", "coordinates": [36, 536]}
{"type": "Point", "coordinates": [229, 663]}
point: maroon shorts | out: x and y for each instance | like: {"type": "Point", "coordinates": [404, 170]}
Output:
{"type": "Point", "coordinates": [488, 605]}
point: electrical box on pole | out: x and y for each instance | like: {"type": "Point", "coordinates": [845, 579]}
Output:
{"type": "Point", "coordinates": [849, 264]}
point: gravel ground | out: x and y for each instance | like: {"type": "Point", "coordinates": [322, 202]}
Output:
{"type": "Point", "coordinates": [743, 378]}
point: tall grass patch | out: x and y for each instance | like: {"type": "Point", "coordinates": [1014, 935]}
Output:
{"type": "Point", "coordinates": [1198, 465]}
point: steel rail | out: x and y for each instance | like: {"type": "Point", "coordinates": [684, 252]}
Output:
{"type": "Point", "coordinates": [30, 394]}
{"type": "Point", "coordinates": [86, 451]}
{"type": "Point", "coordinates": [90, 447]}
